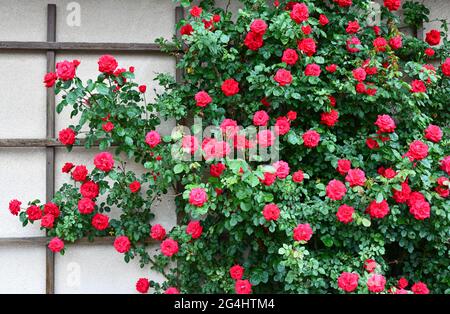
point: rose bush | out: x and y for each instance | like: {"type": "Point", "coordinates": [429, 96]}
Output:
{"type": "Point", "coordinates": [358, 201]}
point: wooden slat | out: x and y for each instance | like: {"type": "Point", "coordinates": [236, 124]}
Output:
{"type": "Point", "coordinates": [33, 142]}
{"type": "Point", "coordinates": [79, 46]}
{"type": "Point", "coordinates": [26, 240]}
{"type": "Point", "coordinates": [45, 240]}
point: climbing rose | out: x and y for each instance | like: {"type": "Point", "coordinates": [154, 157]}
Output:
{"type": "Point", "coordinates": [445, 164]}
{"type": "Point", "coordinates": [253, 41]}
{"type": "Point", "coordinates": [104, 161]}
{"type": "Point", "coordinates": [290, 56]}
{"type": "Point", "coordinates": [331, 68]}
{"type": "Point", "coordinates": [86, 206]}
{"type": "Point", "coordinates": [418, 86]}
{"type": "Point", "coordinates": [433, 37]}
{"type": "Point", "coordinates": [67, 136]}
{"type": "Point", "coordinates": [271, 212]}
{"type": "Point", "coordinates": [265, 138]}
{"type": "Point", "coordinates": [336, 190]}
{"type": "Point", "coordinates": [343, 166]}
{"type": "Point", "coordinates": [258, 26]}
{"type": "Point", "coordinates": [352, 27]}
{"type": "Point", "coordinates": [420, 288]}
{"type": "Point", "coordinates": [329, 118]}
{"type": "Point", "coordinates": [14, 207]}
{"type": "Point", "coordinates": [107, 64]}
{"type": "Point", "coordinates": [100, 221]}
{"type": "Point", "coordinates": [79, 173]}
{"type": "Point", "coordinates": [196, 11]}
{"type": "Point", "coordinates": [122, 244]}
{"type": "Point", "coordinates": [345, 213]}
{"type": "Point", "coordinates": [312, 70]}
{"type": "Point", "coordinates": [198, 197]}
{"type": "Point", "coordinates": [311, 138]}
{"type": "Point", "coordinates": [152, 139]}
{"type": "Point", "coordinates": [370, 265]}
{"type": "Point", "coordinates": [323, 20]}
{"type": "Point", "coordinates": [359, 74]}
{"type": "Point", "coordinates": [348, 281]}
{"type": "Point", "coordinates": [389, 173]}
{"type": "Point", "coordinates": [243, 287]}
{"type": "Point", "coordinates": [299, 13]}
{"type": "Point", "coordinates": [169, 247]}
{"type": "Point", "coordinates": [283, 77]}
{"type": "Point", "coordinates": [402, 283]}
{"type": "Point", "coordinates": [142, 285]}
{"type": "Point", "coordinates": [380, 44]}
{"type": "Point", "coordinates": [237, 272]}
{"type": "Point", "coordinates": [376, 283]}
{"type": "Point", "coordinates": [230, 87]}
{"type": "Point", "coordinates": [420, 210]}
{"type": "Point", "coordinates": [378, 210]}
{"type": "Point", "coordinates": [216, 170]}
{"type": "Point", "coordinates": [445, 67]}
{"type": "Point", "coordinates": [34, 213]}
{"type": "Point", "coordinates": [282, 126]}
{"type": "Point", "coordinates": [67, 167]}
{"type": "Point", "coordinates": [433, 133]}
{"type": "Point", "coordinates": [172, 290]}
{"type": "Point", "coordinates": [343, 3]}
{"type": "Point", "coordinates": [356, 177]}
{"type": "Point", "coordinates": [415, 197]}
{"type": "Point", "coordinates": [392, 5]}
{"type": "Point", "coordinates": [190, 144]}
{"type": "Point", "coordinates": [352, 44]}
{"type": "Point", "coordinates": [89, 189]}
{"type": "Point", "coordinates": [157, 232]}
{"type": "Point", "coordinates": [298, 176]}
{"type": "Point", "coordinates": [396, 42]}
{"type": "Point", "coordinates": [47, 221]}
{"type": "Point", "coordinates": [418, 150]}
{"type": "Point", "coordinates": [186, 29]}
{"type": "Point", "coordinates": [203, 99]}
{"type": "Point", "coordinates": [195, 229]}
{"type": "Point", "coordinates": [303, 232]}
{"type": "Point", "coordinates": [260, 118]}
{"type": "Point", "coordinates": [429, 52]}
{"type": "Point", "coordinates": [50, 79]}
{"type": "Point", "coordinates": [281, 169]}
{"type": "Point", "coordinates": [56, 245]}
{"type": "Point", "coordinates": [108, 126]}
{"type": "Point", "coordinates": [385, 123]}
{"type": "Point", "coordinates": [65, 70]}
{"type": "Point", "coordinates": [307, 46]}
{"type": "Point", "coordinates": [134, 186]}
{"type": "Point", "coordinates": [269, 178]}
{"type": "Point", "coordinates": [306, 29]}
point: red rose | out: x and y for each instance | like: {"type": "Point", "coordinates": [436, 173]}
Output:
{"type": "Point", "coordinates": [323, 20]}
{"type": "Point", "coordinates": [186, 29]}
{"type": "Point", "coordinates": [336, 190]}
{"type": "Point", "coordinates": [104, 161]}
{"type": "Point", "coordinates": [420, 210]}
{"type": "Point", "coordinates": [134, 186]}
{"type": "Point", "coordinates": [265, 138]}
{"type": "Point", "coordinates": [67, 136]}
{"type": "Point", "coordinates": [376, 30]}
{"type": "Point", "coordinates": [47, 221]}
{"type": "Point", "coordinates": [142, 285]}
{"type": "Point", "coordinates": [190, 144]}
{"type": "Point", "coordinates": [65, 70]}
{"type": "Point", "coordinates": [307, 46]}
{"type": "Point", "coordinates": [290, 56]}
{"type": "Point", "coordinates": [299, 13]}
{"type": "Point", "coordinates": [345, 214]}
{"type": "Point", "coordinates": [216, 170]}
{"type": "Point", "coordinates": [370, 265]}
{"type": "Point", "coordinates": [253, 41]}
{"type": "Point", "coordinates": [311, 138]}
{"type": "Point", "coordinates": [89, 189]}
{"type": "Point", "coordinates": [271, 212]}
{"type": "Point", "coordinates": [67, 167]}
{"type": "Point", "coordinates": [14, 207]}
{"type": "Point", "coordinates": [420, 288]}
{"type": "Point", "coordinates": [50, 79]}
{"type": "Point", "coordinates": [418, 86]}
{"type": "Point", "coordinates": [312, 70]}
{"type": "Point", "coordinates": [303, 232]}
{"type": "Point", "coordinates": [332, 101]}
{"type": "Point", "coordinates": [392, 5]}
{"type": "Point", "coordinates": [343, 166]}
{"type": "Point", "coordinates": [385, 124]}
{"type": "Point", "coordinates": [433, 133]}
{"type": "Point", "coordinates": [433, 37]}
{"type": "Point", "coordinates": [331, 68]}
{"type": "Point", "coordinates": [56, 245]}
{"type": "Point", "coordinates": [34, 213]}
{"type": "Point", "coordinates": [360, 88]}
{"type": "Point", "coordinates": [237, 272]}
{"type": "Point", "coordinates": [445, 164]}
{"type": "Point", "coordinates": [86, 206]}
{"type": "Point", "coordinates": [378, 210]}
{"type": "Point", "coordinates": [258, 26]}
{"type": "Point", "coordinates": [172, 290]}
{"type": "Point", "coordinates": [415, 197]}
{"type": "Point", "coordinates": [329, 118]}
{"type": "Point", "coordinates": [402, 283]}
{"type": "Point", "coordinates": [269, 178]}
{"type": "Point", "coordinates": [282, 126]}
{"type": "Point", "coordinates": [380, 44]}
{"type": "Point", "coordinates": [389, 173]}
{"type": "Point", "coordinates": [396, 42]}
{"type": "Point", "coordinates": [260, 118]}
{"type": "Point", "coordinates": [298, 176]}
{"type": "Point", "coordinates": [283, 77]}
{"type": "Point", "coordinates": [122, 244]}
{"type": "Point", "coordinates": [100, 221]}
{"type": "Point", "coordinates": [107, 64]}
{"type": "Point", "coordinates": [348, 281]}
{"type": "Point", "coordinates": [196, 11]}
{"type": "Point", "coordinates": [445, 67]}
{"type": "Point", "coordinates": [230, 87]}
{"type": "Point", "coordinates": [371, 143]}
{"type": "Point", "coordinates": [195, 229]}
{"type": "Point", "coordinates": [429, 52]}
{"type": "Point", "coordinates": [79, 173]}
{"type": "Point", "coordinates": [216, 18]}
{"type": "Point", "coordinates": [142, 88]}
{"type": "Point", "coordinates": [108, 126]}
{"type": "Point", "coordinates": [306, 29]}
{"type": "Point", "coordinates": [352, 27]}
{"type": "Point", "coordinates": [343, 3]}
{"type": "Point", "coordinates": [375, 283]}
{"type": "Point", "coordinates": [198, 197]}
{"type": "Point", "coordinates": [359, 74]}
{"type": "Point", "coordinates": [169, 247]}
{"type": "Point", "coordinates": [243, 287]}
{"type": "Point", "coordinates": [292, 115]}
{"type": "Point", "coordinates": [418, 150]}
{"type": "Point", "coordinates": [152, 139]}
{"type": "Point", "coordinates": [352, 44]}
{"type": "Point", "coordinates": [265, 102]}
{"type": "Point", "coordinates": [158, 232]}
{"type": "Point", "coordinates": [202, 99]}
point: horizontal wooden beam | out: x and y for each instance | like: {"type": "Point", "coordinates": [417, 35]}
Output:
{"type": "Point", "coordinates": [35, 142]}
{"type": "Point", "coordinates": [45, 240]}
{"type": "Point", "coordinates": [79, 46]}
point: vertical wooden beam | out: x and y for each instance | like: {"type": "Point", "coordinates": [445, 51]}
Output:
{"type": "Point", "coordinates": [50, 151]}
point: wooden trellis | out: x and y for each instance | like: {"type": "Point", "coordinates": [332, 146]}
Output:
{"type": "Point", "coordinates": [51, 47]}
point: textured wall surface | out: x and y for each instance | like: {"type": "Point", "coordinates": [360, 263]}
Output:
{"type": "Point", "coordinates": [90, 269]}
